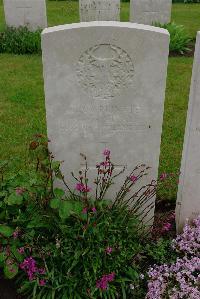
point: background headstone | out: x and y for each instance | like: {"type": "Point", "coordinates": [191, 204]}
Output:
{"type": "Point", "coordinates": [188, 200]}
{"type": "Point", "coordinates": [99, 10]}
{"type": "Point", "coordinates": [150, 11]}
{"type": "Point", "coordinates": [105, 88]}
{"type": "Point", "coordinates": [29, 13]}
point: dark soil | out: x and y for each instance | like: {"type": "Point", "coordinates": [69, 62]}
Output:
{"type": "Point", "coordinates": [189, 53]}
{"type": "Point", "coordinates": [8, 290]}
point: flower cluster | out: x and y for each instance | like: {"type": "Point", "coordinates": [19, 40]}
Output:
{"type": "Point", "coordinates": [189, 241]}
{"type": "Point", "coordinates": [179, 280]}
{"type": "Point", "coordinates": [102, 283]}
{"type": "Point", "coordinates": [82, 188]}
{"type": "Point", "coordinates": [29, 266]}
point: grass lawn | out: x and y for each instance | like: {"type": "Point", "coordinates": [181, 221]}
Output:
{"type": "Point", "coordinates": [22, 111]}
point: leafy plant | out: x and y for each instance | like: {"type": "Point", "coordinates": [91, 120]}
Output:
{"type": "Point", "coordinates": [71, 244]}
{"type": "Point", "coordinates": [179, 39]}
{"type": "Point", "coordinates": [20, 41]}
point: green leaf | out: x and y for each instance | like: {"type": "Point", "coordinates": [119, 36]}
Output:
{"type": "Point", "coordinates": [55, 165]}
{"type": "Point", "coordinates": [14, 199]}
{"type": "Point", "coordinates": [6, 230]}
{"type": "Point", "coordinates": [16, 254]}
{"type": "Point", "coordinates": [10, 271]}
{"type": "Point", "coordinates": [77, 207]}
{"type": "Point", "coordinates": [65, 209]}
{"type": "Point", "coordinates": [55, 203]}
{"type": "Point", "coordinates": [59, 192]}
{"type": "Point", "coordinates": [2, 257]}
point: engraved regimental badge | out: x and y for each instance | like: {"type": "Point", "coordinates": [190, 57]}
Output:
{"type": "Point", "coordinates": [103, 70]}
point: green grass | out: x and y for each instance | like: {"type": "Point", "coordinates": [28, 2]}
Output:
{"type": "Point", "coordinates": [22, 111]}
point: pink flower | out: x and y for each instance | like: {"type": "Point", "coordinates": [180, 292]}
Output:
{"type": "Point", "coordinates": [133, 178]}
{"type": "Point", "coordinates": [19, 190]}
{"type": "Point", "coordinates": [108, 250]}
{"type": "Point", "coordinates": [42, 271]}
{"type": "Point", "coordinates": [42, 282]}
{"type": "Point", "coordinates": [163, 176]}
{"type": "Point", "coordinates": [79, 187]}
{"type": "Point", "coordinates": [84, 211]}
{"type": "Point", "coordinates": [167, 226]}
{"type": "Point", "coordinates": [102, 283]}
{"type": "Point", "coordinates": [21, 250]}
{"type": "Point", "coordinates": [106, 152]}
{"type": "Point", "coordinates": [29, 266]}
{"type": "Point", "coordinates": [94, 210]}
{"type": "Point", "coordinates": [82, 188]}
{"type": "Point", "coordinates": [16, 234]}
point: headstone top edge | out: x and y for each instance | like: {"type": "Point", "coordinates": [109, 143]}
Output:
{"type": "Point", "coordinates": [105, 24]}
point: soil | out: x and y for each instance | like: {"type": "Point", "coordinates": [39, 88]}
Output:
{"type": "Point", "coordinates": [190, 53]}
{"type": "Point", "coordinates": [8, 290]}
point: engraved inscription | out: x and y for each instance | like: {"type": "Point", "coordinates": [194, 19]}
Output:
{"type": "Point", "coordinates": [24, 10]}
{"type": "Point", "coordinates": [103, 70]}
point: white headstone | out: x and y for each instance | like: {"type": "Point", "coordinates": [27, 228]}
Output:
{"type": "Point", "coordinates": [105, 88]}
{"type": "Point", "coordinates": [188, 200]}
{"type": "Point", "coordinates": [29, 13]}
{"type": "Point", "coordinates": [150, 11]}
{"type": "Point", "coordinates": [99, 10]}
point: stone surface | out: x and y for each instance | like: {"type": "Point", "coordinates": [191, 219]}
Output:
{"type": "Point", "coordinates": [105, 88]}
{"type": "Point", "coordinates": [188, 200]}
{"type": "Point", "coordinates": [29, 13]}
{"type": "Point", "coordinates": [99, 10]}
{"type": "Point", "coordinates": [150, 11]}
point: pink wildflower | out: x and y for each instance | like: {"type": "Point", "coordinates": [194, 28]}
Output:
{"type": "Point", "coordinates": [167, 226]}
{"type": "Point", "coordinates": [94, 210]}
{"type": "Point", "coordinates": [42, 271]}
{"type": "Point", "coordinates": [21, 250]}
{"type": "Point", "coordinates": [16, 234]}
{"type": "Point", "coordinates": [82, 188]}
{"type": "Point", "coordinates": [29, 266]}
{"type": "Point", "coordinates": [42, 282]}
{"type": "Point", "coordinates": [102, 283]}
{"type": "Point", "coordinates": [106, 152]}
{"type": "Point", "coordinates": [133, 178]}
{"type": "Point", "coordinates": [108, 250]}
{"type": "Point", "coordinates": [19, 191]}
{"type": "Point", "coordinates": [84, 211]}
{"type": "Point", "coordinates": [163, 176]}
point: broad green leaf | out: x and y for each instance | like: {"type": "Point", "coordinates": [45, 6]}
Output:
{"type": "Point", "coordinates": [59, 192]}
{"type": "Point", "coordinates": [65, 209]}
{"type": "Point", "coordinates": [6, 230]}
{"type": "Point", "coordinates": [14, 199]}
{"type": "Point", "coordinates": [55, 203]}
{"type": "Point", "coordinates": [55, 165]}
{"type": "Point", "coordinates": [2, 257]}
{"type": "Point", "coordinates": [78, 207]}
{"type": "Point", "coordinates": [16, 254]}
{"type": "Point", "coordinates": [10, 271]}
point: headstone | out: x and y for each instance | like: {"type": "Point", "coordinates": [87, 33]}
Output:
{"type": "Point", "coordinates": [26, 13]}
{"type": "Point", "coordinates": [188, 200]}
{"type": "Point", "coordinates": [99, 10]}
{"type": "Point", "coordinates": [150, 11]}
{"type": "Point", "coordinates": [105, 88]}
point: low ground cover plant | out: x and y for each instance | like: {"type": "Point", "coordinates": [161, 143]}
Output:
{"type": "Point", "coordinates": [70, 244]}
